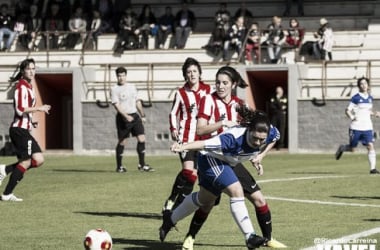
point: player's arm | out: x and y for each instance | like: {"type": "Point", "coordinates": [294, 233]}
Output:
{"type": "Point", "coordinates": [350, 114]}
{"type": "Point", "coordinates": [203, 128]}
{"type": "Point", "coordinates": [22, 104]}
{"type": "Point", "coordinates": [140, 109]}
{"type": "Point", "coordinates": [126, 116]}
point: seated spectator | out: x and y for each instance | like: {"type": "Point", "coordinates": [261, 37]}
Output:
{"type": "Point", "coordinates": [165, 28]}
{"type": "Point", "coordinates": [234, 39]}
{"type": "Point", "coordinates": [127, 37]}
{"type": "Point", "coordinates": [36, 25]}
{"type": "Point", "coordinates": [275, 39]}
{"type": "Point", "coordinates": [96, 28]}
{"type": "Point", "coordinates": [222, 25]}
{"type": "Point", "coordinates": [253, 45]}
{"type": "Point", "coordinates": [106, 9]}
{"type": "Point", "coordinates": [295, 34]}
{"type": "Point", "coordinates": [77, 27]}
{"type": "Point", "coordinates": [21, 28]}
{"type": "Point", "coordinates": [244, 12]}
{"type": "Point", "coordinates": [6, 28]}
{"type": "Point", "coordinates": [185, 23]}
{"type": "Point", "coordinates": [325, 40]}
{"type": "Point", "coordinates": [53, 26]}
{"type": "Point", "coordinates": [147, 22]}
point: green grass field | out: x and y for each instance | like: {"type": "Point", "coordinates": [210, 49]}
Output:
{"type": "Point", "coordinates": [310, 196]}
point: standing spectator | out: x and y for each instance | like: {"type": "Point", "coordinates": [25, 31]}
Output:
{"type": "Point", "coordinates": [129, 120]}
{"type": "Point", "coordinates": [29, 154]}
{"type": "Point", "coordinates": [325, 41]}
{"type": "Point", "coordinates": [77, 27]}
{"type": "Point", "coordinates": [288, 6]}
{"type": "Point", "coordinates": [244, 12]}
{"type": "Point", "coordinates": [185, 23]}
{"type": "Point", "coordinates": [217, 157]}
{"type": "Point", "coordinates": [147, 23]}
{"type": "Point", "coordinates": [361, 128]}
{"type": "Point", "coordinates": [252, 45]}
{"type": "Point", "coordinates": [53, 25]}
{"type": "Point", "coordinates": [127, 35]}
{"type": "Point", "coordinates": [234, 39]}
{"type": "Point", "coordinates": [183, 125]}
{"type": "Point", "coordinates": [278, 105]}
{"type": "Point", "coordinates": [218, 36]}
{"type": "Point", "coordinates": [165, 27]}
{"type": "Point", "coordinates": [275, 39]}
{"type": "Point", "coordinates": [6, 28]}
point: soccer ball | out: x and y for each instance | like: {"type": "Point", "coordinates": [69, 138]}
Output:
{"type": "Point", "coordinates": [97, 239]}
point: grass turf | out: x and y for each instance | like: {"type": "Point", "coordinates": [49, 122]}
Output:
{"type": "Point", "coordinates": [70, 195]}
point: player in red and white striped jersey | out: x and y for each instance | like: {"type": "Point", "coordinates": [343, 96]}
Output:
{"type": "Point", "coordinates": [183, 123]}
{"type": "Point", "coordinates": [28, 151]}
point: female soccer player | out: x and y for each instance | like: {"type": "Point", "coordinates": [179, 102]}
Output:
{"type": "Point", "coordinates": [361, 129]}
{"type": "Point", "coordinates": [183, 123]}
{"type": "Point", "coordinates": [28, 151]}
{"type": "Point", "coordinates": [216, 159]}
{"type": "Point", "coordinates": [217, 112]}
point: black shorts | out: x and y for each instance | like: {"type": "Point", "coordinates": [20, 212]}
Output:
{"type": "Point", "coordinates": [189, 156]}
{"type": "Point", "coordinates": [24, 143]}
{"type": "Point", "coordinates": [246, 179]}
{"type": "Point", "coordinates": [126, 128]}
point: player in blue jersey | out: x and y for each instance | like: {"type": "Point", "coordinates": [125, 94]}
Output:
{"type": "Point", "coordinates": [216, 159]}
{"type": "Point", "coordinates": [361, 129]}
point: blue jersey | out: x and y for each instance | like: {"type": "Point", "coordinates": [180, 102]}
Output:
{"type": "Point", "coordinates": [232, 146]}
{"type": "Point", "coordinates": [361, 106]}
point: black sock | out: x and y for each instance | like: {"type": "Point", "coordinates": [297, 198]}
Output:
{"type": "Point", "coordinates": [178, 185]}
{"type": "Point", "coordinates": [16, 177]}
{"type": "Point", "coordinates": [197, 222]}
{"type": "Point", "coordinates": [119, 153]}
{"type": "Point", "coordinates": [186, 190]}
{"type": "Point", "coordinates": [10, 168]}
{"type": "Point", "coordinates": [141, 153]}
{"type": "Point", "coordinates": [265, 220]}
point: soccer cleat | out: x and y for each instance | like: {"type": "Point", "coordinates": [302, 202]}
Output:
{"type": "Point", "coordinates": [168, 205]}
{"type": "Point", "coordinates": [188, 243]}
{"type": "Point", "coordinates": [254, 241]}
{"type": "Point", "coordinates": [274, 244]}
{"type": "Point", "coordinates": [121, 169]}
{"type": "Point", "coordinates": [339, 152]}
{"type": "Point", "coordinates": [3, 174]}
{"type": "Point", "coordinates": [374, 171]}
{"type": "Point", "coordinates": [145, 168]}
{"type": "Point", "coordinates": [10, 197]}
{"type": "Point", "coordinates": [167, 224]}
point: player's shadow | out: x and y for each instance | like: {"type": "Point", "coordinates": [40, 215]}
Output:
{"type": "Point", "coordinates": [154, 216]}
{"type": "Point", "coordinates": [81, 170]}
{"type": "Point", "coordinates": [372, 220]}
{"type": "Point", "coordinates": [356, 197]}
{"type": "Point", "coordinates": [157, 245]}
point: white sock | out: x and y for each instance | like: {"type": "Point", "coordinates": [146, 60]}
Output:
{"type": "Point", "coordinates": [240, 213]}
{"type": "Point", "coordinates": [372, 159]}
{"type": "Point", "coordinates": [187, 207]}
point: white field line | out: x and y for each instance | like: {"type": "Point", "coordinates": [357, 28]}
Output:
{"type": "Point", "coordinates": [348, 238]}
{"type": "Point", "coordinates": [322, 202]}
{"type": "Point", "coordinates": [302, 178]}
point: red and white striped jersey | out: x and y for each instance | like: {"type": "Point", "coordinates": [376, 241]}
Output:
{"type": "Point", "coordinates": [24, 97]}
{"type": "Point", "coordinates": [214, 109]}
{"type": "Point", "coordinates": [184, 112]}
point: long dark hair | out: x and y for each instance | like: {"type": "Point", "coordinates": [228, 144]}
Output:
{"type": "Point", "coordinates": [21, 68]}
{"type": "Point", "coordinates": [233, 75]}
{"type": "Point", "coordinates": [253, 119]}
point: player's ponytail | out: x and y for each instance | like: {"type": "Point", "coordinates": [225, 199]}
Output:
{"type": "Point", "coordinates": [253, 119]}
